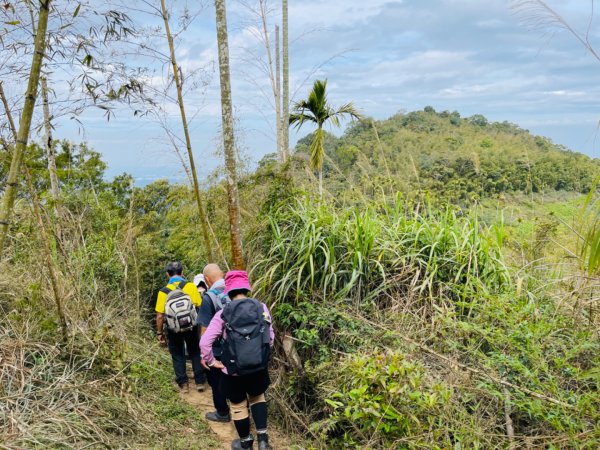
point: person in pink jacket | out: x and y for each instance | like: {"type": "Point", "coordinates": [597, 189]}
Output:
{"type": "Point", "coordinates": [246, 328]}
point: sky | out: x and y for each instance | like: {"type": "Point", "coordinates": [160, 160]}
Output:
{"type": "Point", "coordinates": [472, 56]}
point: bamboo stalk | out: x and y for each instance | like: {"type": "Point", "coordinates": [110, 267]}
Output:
{"type": "Point", "coordinates": [43, 233]}
{"type": "Point", "coordinates": [188, 142]}
{"type": "Point", "coordinates": [273, 76]}
{"type": "Point", "coordinates": [228, 137]}
{"type": "Point", "coordinates": [278, 97]}
{"type": "Point", "coordinates": [51, 155]}
{"type": "Point", "coordinates": [286, 82]}
{"type": "Point", "coordinates": [25, 122]}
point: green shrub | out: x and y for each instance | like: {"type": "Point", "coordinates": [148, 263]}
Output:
{"type": "Point", "coordinates": [385, 400]}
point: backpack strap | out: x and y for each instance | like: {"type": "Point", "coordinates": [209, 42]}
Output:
{"type": "Point", "coordinates": [166, 290]}
{"type": "Point", "coordinates": [217, 304]}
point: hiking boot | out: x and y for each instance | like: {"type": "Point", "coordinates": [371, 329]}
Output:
{"type": "Point", "coordinates": [263, 442]}
{"type": "Point", "coordinates": [214, 416]}
{"type": "Point", "coordinates": [242, 444]}
{"type": "Point", "coordinates": [200, 387]}
{"type": "Point", "coordinates": [184, 388]}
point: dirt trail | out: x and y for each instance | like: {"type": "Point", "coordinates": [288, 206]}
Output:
{"type": "Point", "coordinates": [225, 432]}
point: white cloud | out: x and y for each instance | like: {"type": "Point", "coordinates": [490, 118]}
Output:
{"type": "Point", "coordinates": [472, 56]}
{"type": "Point", "coordinates": [332, 13]}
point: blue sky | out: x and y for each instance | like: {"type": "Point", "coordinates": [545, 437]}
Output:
{"type": "Point", "coordinates": [473, 56]}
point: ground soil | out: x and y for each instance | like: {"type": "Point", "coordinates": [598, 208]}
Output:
{"type": "Point", "coordinates": [224, 433]}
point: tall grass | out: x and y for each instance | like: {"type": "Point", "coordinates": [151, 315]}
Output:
{"type": "Point", "coordinates": [364, 254]}
{"type": "Point", "coordinates": [413, 334]}
{"type": "Point", "coordinates": [589, 242]}
{"type": "Point", "coordinates": [110, 384]}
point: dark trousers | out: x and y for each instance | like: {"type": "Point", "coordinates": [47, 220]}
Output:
{"type": "Point", "coordinates": [220, 401]}
{"type": "Point", "coordinates": [177, 345]}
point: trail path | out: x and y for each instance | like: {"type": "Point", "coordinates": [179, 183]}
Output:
{"type": "Point", "coordinates": [225, 432]}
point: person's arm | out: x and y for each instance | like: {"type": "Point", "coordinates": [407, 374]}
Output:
{"type": "Point", "coordinates": [160, 316]}
{"type": "Point", "coordinates": [160, 320]}
{"type": "Point", "coordinates": [212, 332]}
{"type": "Point", "coordinates": [191, 290]}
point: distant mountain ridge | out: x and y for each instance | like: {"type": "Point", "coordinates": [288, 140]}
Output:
{"type": "Point", "coordinates": [459, 159]}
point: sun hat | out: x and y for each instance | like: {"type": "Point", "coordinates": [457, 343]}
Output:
{"type": "Point", "coordinates": [199, 279]}
{"type": "Point", "coordinates": [236, 279]}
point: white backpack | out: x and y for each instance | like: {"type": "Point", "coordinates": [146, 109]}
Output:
{"type": "Point", "coordinates": [179, 309]}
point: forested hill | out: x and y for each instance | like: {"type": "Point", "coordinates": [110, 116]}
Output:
{"type": "Point", "coordinates": [461, 159]}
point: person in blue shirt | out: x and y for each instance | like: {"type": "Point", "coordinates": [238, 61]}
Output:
{"type": "Point", "coordinates": [212, 301]}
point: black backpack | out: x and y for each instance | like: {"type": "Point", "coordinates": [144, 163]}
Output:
{"type": "Point", "coordinates": [247, 347]}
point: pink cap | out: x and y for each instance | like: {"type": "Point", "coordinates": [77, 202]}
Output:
{"type": "Point", "coordinates": [236, 279]}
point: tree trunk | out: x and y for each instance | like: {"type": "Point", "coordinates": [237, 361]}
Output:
{"type": "Point", "coordinates": [278, 120]}
{"type": "Point", "coordinates": [321, 183]}
{"type": "Point", "coordinates": [25, 122]}
{"type": "Point", "coordinates": [188, 142]}
{"type": "Point", "coordinates": [54, 187]}
{"type": "Point", "coordinates": [228, 137]}
{"type": "Point", "coordinates": [43, 233]}
{"type": "Point", "coordinates": [272, 73]}
{"type": "Point", "coordinates": [510, 430]}
{"type": "Point", "coordinates": [286, 83]}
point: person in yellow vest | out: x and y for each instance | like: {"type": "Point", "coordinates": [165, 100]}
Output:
{"type": "Point", "coordinates": [178, 341]}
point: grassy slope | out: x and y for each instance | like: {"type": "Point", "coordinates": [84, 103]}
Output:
{"type": "Point", "coordinates": [115, 391]}
{"type": "Point", "coordinates": [408, 323]}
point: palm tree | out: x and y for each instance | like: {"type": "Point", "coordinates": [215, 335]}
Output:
{"type": "Point", "coordinates": [318, 111]}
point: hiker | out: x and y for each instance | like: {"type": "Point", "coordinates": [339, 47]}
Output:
{"type": "Point", "coordinates": [177, 302]}
{"type": "Point", "coordinates": [212, 302]}
{"type": "Point", "coordinates": [245, 326]}
{"type": "Point", "coordinates": [200, 283]}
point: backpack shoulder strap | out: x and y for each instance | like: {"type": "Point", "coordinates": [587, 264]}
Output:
{"type": "Point", "coordinates": [182, 284]}
{"type": "Point", "coordinates": [166, 290]}
{"type": "Point", "coordinates": [217, 304]}
{"type": "Point", "coordinates": [228, 310]}
{"type": "Point", "coordinates": [260, 310]}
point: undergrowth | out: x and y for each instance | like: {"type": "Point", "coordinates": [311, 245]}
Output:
{"type": "Point", "coordinates": [414, 333]}
{"type": "Point", "coordinates": [107, 384]}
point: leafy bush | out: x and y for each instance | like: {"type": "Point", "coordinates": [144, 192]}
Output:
{"type": "Point", "coordinates": [413, 334]}
{"type": "Point", "coordinates": [384, 400]}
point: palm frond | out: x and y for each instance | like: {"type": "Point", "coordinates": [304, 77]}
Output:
{"type": "Point", "coordinates": [351, 110]}
{"type": "Point", "coordinates": [297, 119]}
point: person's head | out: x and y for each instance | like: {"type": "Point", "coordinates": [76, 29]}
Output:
{"type": "Point", "coordinates": [200, 283]}
{"type": "Point", "coordinates": [212, 273]}
{"type": "Point", "coordinates": [237, 285]}
{"type": "Point", "coordinates": [174, 268]}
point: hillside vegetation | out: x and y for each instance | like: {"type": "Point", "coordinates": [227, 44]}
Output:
{"type": "Point", "coordinates": [451, 158]}
{"type": "Point", "coordinates": [414, 324]}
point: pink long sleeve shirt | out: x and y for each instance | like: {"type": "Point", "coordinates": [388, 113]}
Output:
{"type": "Point", "coordinates": [217, 329]}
